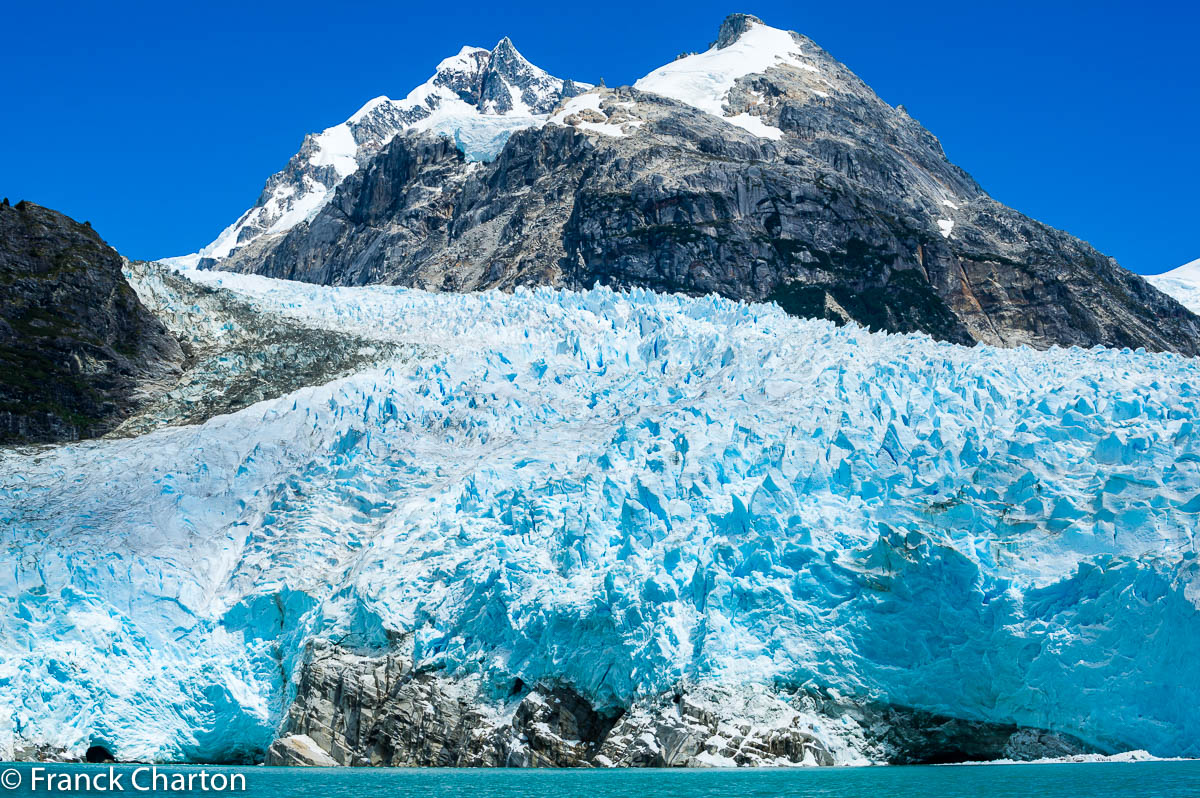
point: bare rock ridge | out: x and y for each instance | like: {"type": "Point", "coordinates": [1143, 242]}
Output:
{"type": "Point", "coordinates": [78, 350]}
{"type": "Point", "coordinates": [795, 184]}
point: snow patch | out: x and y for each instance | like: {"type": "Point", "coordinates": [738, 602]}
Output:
{"type": "Point", "coordinates": [589, 105]}
{"type": "Point", "coordinates": [336, 147]}
{"type": "Point", "coordinates": [1182, 283]}
{"type": "Point", "coordinates": [1084, 759]}
{"type": "Point", "coordinates": [704, 80]}
{"type": "Point", "coordinates": [755, 125]}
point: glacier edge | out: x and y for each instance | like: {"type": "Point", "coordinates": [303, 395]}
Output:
{"type": "Point", "coordinates": [619, 493]}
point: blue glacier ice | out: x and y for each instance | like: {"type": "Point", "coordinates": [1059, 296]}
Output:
{"type": "Point", "coordinates": [622, 491]}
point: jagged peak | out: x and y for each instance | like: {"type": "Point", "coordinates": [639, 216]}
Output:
{"type": "Point", "coordinates": [506, 59]}
{"type": "Point", "coordinates": [733, 27]}
{"type": "Point", "coordinates": [468, 90]}
{"type": "Point", "coordinates": [469, 72]}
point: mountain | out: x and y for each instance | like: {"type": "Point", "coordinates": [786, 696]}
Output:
{"type": "Point", "coordinates": [761, 169]}
{"type": "Point", "coordinates": [1183, 284]}
{"type": "Point", "coordinates": [78, 350]}
{"type": "Point", "coordinates": [567, 528]}
{"type": "Point", "coordinates": [477, 98]}
{"type": "Point", "coordinates": [615, 525]}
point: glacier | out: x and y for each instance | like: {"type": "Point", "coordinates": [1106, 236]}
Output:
{"type": "Point", "coordinates": [620, 492]}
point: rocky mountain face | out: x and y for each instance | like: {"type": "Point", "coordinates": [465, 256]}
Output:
{"type": "Point", "coordinates": [477, 98]}
{"type": "Point", "coordinates": [78, 350]}
{"type": "Point", "coordinates": [761, 169]}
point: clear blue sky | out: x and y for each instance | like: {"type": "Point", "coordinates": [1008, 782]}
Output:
{"type": "Point", "coordinates": [159, 122]}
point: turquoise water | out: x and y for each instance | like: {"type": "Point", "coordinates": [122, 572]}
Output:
{"type": "Point", "coordinates": [994, 781]}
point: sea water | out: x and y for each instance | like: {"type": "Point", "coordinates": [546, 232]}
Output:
{"type": "Point", "coordinates": [1160, 779]}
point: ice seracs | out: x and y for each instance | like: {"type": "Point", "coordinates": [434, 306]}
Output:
{"type": "Point", "coordinates": [477, 97]}
{"type": "Point", "coordinates": [622, 493]}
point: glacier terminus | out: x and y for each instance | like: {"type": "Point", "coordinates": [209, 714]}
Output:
{"type": "Point", "coordinates": [671, 511]}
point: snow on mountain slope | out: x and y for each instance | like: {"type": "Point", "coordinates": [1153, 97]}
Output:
{"type": "Point", "coordinates": [1183, 284]}
{"type": "Point", "coordinates": [705, 79]}
{"type": "Point", "coordinates": [477, 97]}
{"type": "Point", "coordinates": [621, 492]}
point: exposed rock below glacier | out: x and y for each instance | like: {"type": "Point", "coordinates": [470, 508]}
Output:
{"type": "Point", "coordinates": [379, 711]}
{"type": "Point", "coordinates": [78, 351]}
{"type": "Point", "coordinates": [761, 170]}
{"type": "Point", "coordinates": [477, 98]}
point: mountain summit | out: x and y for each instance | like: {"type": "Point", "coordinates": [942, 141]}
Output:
{"type": "Point", "coordinates": [477, 98]}
{"type": "Point", "coordinates": [761, 169]}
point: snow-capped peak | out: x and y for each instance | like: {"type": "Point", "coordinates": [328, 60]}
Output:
{"type": "Point", "coordinates": [1182, 283]}
{"type": "Point", "coordinates": [745, 46]}
{"type": "Point", "coordinates": [477, 96]}
{"type": "Point", "coordinates": [371, 105]}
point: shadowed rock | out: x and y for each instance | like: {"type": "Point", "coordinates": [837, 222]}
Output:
{"type": "Point", "coordinates": [78, 351]}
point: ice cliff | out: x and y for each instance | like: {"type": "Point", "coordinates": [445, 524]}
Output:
{"type": "Point", "coordinates": [619, 494]}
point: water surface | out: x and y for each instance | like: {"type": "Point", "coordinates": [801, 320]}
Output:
{"type": "Point", "coordinates": [1159, 779]}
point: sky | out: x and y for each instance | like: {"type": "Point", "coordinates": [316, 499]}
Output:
{"type": "Point", "coordinates": [159, 122]}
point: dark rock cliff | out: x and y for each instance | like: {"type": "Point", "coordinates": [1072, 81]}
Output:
{"type": "Point", "coordinates": [850, 210]}
{"type": "Point", "coordinates": [78, 351]}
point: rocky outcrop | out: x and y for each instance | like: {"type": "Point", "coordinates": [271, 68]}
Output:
{"type": "Point", "coordinates": [840, 207]}
{"type": "Point", "coordinates": [376, 710]}
{"type": "Point", "coordinates": [238, 354]}
{"type": "Point", "coordinates": [78, 351]}
{"type": "Point", "coordinates": [298, 750]}
{"type": "Point", "coordinates": [379, 711]}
